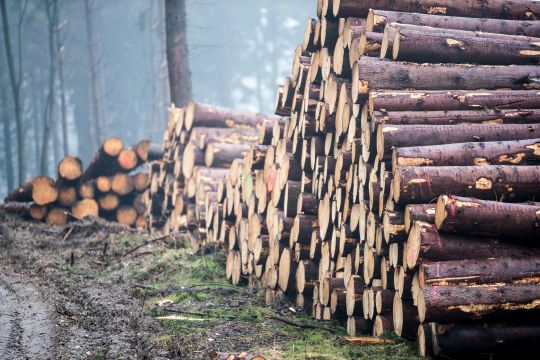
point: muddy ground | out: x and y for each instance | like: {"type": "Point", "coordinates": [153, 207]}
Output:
{"type": "Point", "coordinates": [96, 290]}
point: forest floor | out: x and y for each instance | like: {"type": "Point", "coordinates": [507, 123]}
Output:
{"type": "Point", "coordinates": [96, 290]}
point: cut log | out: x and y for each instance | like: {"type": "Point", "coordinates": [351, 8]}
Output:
{"type": "Point", "coordinates": [105, 160]}
{"type": "Point", "coordinates": [67, 196]}
{"type": "Point", "coordinates": [85, 208]}
{"type": "Point", "coordinates": [455, 303]}
{"type": "Point", "coordinates": [122, 184]}
{"type": "Point", "coordinates": [126, 215]}
{"type": "Point", "coordinates": [451, 340]}
{"type": "Point", "coordinates": [87, 190]}
{"type": "Point", "coordinates": [378, 19]}
{"type": "Point", "coordinates": [425, 243]}
{"type": "Point", "coordinates": [422, 184]}
{"type": "Point", "coordinates": [221, 155]}
{"type": "Point", "coordinates": [44, 190]}
{"type": "Point", "coordinates": [452, 100]}
{"type": "Point", "coordinates": [452, 117]}
{"type": "Point", "coordinates": [517, 152]}
{"type": "Point", "coordinates": [497, 9]}
{"type": "Point", "coordinates": [480, 271]}
{"type": "Point", "coordinates": [200, 115]}
{"type": "Point", "coordinates": [148, 151]}
{"type": "Point", "coordinates": [428, 44]}
{"type": "Point", "coordinates": [128, 160]}
{"type": "Point", "coordinates": [455, 214]}
{"type": "Point", "coordinates": [70, 169]}
{"type": "Point", "coordinates": [110, 201]}
{"type": "Point", "coordinates": [373, 74]}
{"type": "Point", "coordinates": [418, 212]}
{"type": "Point", "coordinates": [56, 216]}
{"type": "Point", "coordinates": [396, 136]}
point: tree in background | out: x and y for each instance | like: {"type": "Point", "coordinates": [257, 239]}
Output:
{"type": "Point", "coordinates": [15, 81]}
{"type": "Point", "coordinates": [177, 52]}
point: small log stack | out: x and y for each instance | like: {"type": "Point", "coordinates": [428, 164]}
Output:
{"type": "Point", "coordinates": [111, 187]}
{"type": "Point", "coordinates": [397, 191]}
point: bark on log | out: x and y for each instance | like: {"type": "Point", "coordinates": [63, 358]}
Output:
{"type": "Point", "coordinates": [396, 136]}
{"type": "Point", "coordinates": [425, 183]}
{"type": "Point", "coordinates": [378, 19]}
{"type": "Point", "coordinates": [428, 44]}
{"type": "Point", "coordinates": [451, 340]}
{"type": "Point", "coordinates": [418, 212]}
{"type": "Point", "coordinates": [480, 271]}
{"type": "Point", "coordinates": [497, 9]}
{"type": "Point", "coordinates": [148, 151]}
{"type": "Point", "coordinates": [453, 117]}
{"type": "Point", "coordinates": [373, 74]}
{"type": "Point", "coordinates": [425, 243]}
{"type": "Point", "coordinates": [452, 100]}
{"type": "Point", "coordinates": [455, 303]}
{"type": "Point", "coordinates": [487, 218]}
{"type": "Point", "coordinates": [199, 115]}
{"type": "Point", "coordinates": [518, 152]}
{"type": "Point", "coordinates": [219, 155]}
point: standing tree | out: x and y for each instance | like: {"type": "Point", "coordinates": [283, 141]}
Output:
{"type": "Point", "coordinates": [177, 52]}
{"type": "Point", "coordinates": [51, 9]}
{"type": "Point", "coordinates": [95, 94]}
{"type": "Point", "coordinates": [63, 101]}
{"type": "Point", "coordinates": [15, 81]}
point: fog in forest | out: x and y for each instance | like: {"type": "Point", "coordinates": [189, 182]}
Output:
{"type": "Point", "coordinates": [87, 69]}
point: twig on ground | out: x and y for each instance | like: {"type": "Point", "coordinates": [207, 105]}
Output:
{"type": "Point", "coordinates": [199, 314]}
{"type": "Point", "coordinates": [148, 242]}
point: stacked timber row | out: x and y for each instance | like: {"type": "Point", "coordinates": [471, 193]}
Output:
{"type": "Point", "coordinates": [111, 187]}
{"type": "Point", "coordinates": [200, 145]}
{"type": "Point", "coordinates": [354, 204]}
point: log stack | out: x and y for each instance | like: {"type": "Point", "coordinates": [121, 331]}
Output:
{"type": "Point", "coordinates": [111, 187]}
{"type": "Point", "coordinates": [201, 144]}
{"type": "Point", "coordinates": [397, 192]}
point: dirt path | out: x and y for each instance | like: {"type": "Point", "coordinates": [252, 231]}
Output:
{"type": "Point", "coordinates": [27, 320]}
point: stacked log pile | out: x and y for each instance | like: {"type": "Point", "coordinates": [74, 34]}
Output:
{"type": "Point", "coordinates": [201, 144]}
{"type": "Point", "coordinates": [111, 187]}
{"type": "Point", "coordinates": [397, 192]}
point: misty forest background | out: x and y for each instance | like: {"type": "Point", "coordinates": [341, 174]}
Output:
{"type": "Point", "coordinates": [84, 70]}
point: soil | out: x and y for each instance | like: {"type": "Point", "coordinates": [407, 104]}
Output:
{"type": "Point", "coordinates": [51, 304]}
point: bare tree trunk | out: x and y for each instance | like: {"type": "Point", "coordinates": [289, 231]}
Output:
{"type": "Point", "coordinates": [49, 123]}
{"type": "Point", "coordinates": [163, 73]}
{"type": "Point", "coordinates": [60, 64]}
{"type": "Point", "coordinates": [177, 52]}
{"type": "Point", "coordinates": [15, 85]}
{"type": "Point", "coordinates": [93, 73]}
{"type": "Point", "coordinates": [7, 144]}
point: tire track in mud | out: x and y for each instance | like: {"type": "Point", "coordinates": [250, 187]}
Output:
{"type": "Point", "coordinates": [27, 325]}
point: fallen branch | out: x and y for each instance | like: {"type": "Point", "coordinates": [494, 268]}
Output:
{"type": "Point", "coordinates": [367, 340]}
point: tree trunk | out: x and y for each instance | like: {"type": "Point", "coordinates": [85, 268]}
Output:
{"type": "Point", "coordinates": [427, 44]}
{"type": "Point", "coordinates": [518, 152]}
{"type": "Point", "coordinates": [373, 74]}
{"type": "Point", "coordinates": [452, 100]}
{"type": "Point", "coordinates": [480, 271]}
{"type": "Point", "coordinates": [427, 244]}
{"type": "Point", "coordinates": [177, 52]}
{"type": "Point", "coordinates": [454, 303]}
{"type": "Point", "coordinates": [418, 212]}
{"type": "Point", "coordinates": [63, 102]}
{"type": "Point", "coordinates": [15, 81]}
{"type": "Point", "coordinates": [497, 9]}
{"type": "Point", "coordinates": [49, 118]}
{"type": "Point", "coordinates": [94, 69]}
{"type": "Point", "coordinates": [396, 136]}
{"type": "Point", "coordinates": [378, 19]}
{"type": "Point", "coordinates": [8, 152]}
{"type": "Point", "coordinates": [488, 218]}
{"type": "Point", "coordinates": [422, 184]}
